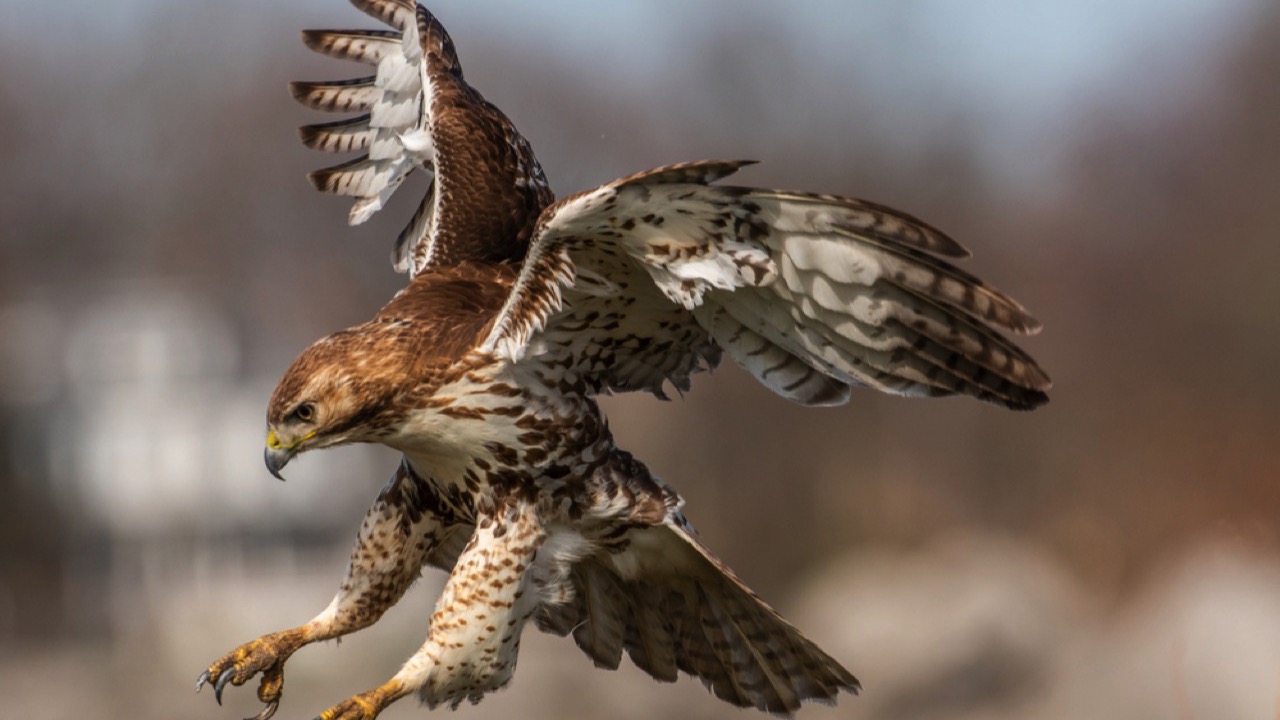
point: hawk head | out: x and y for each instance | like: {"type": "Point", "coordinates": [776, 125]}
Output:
{"type": "Point", "coordinates": [360, 384]}
{"type": "Point", "coordinates": [337, 391]}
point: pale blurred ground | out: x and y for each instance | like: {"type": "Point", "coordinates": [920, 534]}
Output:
{"type": "Point", "coordinates": [1116, 166]}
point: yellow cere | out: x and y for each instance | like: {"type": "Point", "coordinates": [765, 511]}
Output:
{"type": "Point", "coordinates": [273, 440]}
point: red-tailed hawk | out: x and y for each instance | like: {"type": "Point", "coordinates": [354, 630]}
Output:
{"type": "Point", "coordinates": [483, 371]}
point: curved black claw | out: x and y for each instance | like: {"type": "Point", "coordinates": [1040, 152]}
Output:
{"type": "Point", "coordinates": [266, 657]}
{"type": "Point", "coordinates": [267, 711]}
{"type": "Point", "coordinates": [221, 683]}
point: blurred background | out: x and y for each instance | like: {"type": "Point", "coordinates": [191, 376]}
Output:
{"type": "Point", "coordinates": [1112, 165]}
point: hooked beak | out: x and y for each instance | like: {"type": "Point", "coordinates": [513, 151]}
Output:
{"type": "Point", "coordinates": [277, 454]}
{"type": "Point", "coordinates": [276, 458]}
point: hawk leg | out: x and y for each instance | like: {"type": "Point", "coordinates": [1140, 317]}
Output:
{"type": "Point", "coordinates": [398, 535]}
{"type": "Point", "coordinates": [366, 705]}
{"type": "Point", "coordinates": [475, 629]}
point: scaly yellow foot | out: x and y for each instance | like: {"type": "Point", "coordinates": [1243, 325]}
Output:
{"type": "Point", "coordinates": [265, 655]}
{"type": "Point", "coordinates": [366, 705]}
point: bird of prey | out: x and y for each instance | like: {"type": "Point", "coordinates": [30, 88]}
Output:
{"type": "Point", "coordinates": [521, 310]}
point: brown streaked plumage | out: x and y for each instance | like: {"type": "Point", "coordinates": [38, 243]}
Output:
{"type": "Point", "coordinates": [483, 372]}
{"type": "Point", "coordinates": [361, 380]}
{"type": "Point", "coordinates": [421, 333]}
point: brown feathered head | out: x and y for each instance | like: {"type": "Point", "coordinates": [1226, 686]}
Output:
{"type": "Point", "coordinates": [335, 392]}
{"type": "Point", "coordinates": [358, 385]}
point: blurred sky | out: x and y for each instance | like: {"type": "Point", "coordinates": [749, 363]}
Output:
{"type": "Point", "coordinates": [1017, 72]}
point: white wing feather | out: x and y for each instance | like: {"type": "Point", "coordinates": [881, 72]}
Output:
{"type": "Point", "coordinates": [812, 294]}
{"type": "Point", "coordinates": [393, 102]}
{"type": "Point", "coordinates": [486, 186]}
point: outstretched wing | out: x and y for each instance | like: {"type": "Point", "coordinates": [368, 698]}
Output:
{"type": "Point", "coordinates": [417, 111]}
{"type": "Point", "coordinates": [644, 280]}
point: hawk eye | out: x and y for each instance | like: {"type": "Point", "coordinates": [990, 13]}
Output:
{"type": "Point", "coordinates": [304, 412]}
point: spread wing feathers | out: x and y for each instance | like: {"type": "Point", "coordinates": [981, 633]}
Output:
{"type": "Point", "coordinates": [612, 327]}
{"type": "Point", "coordinates": [673, 606]}
{"type": "Point", "coordinates": [416, 111]}
{"type": "Point", "coordinates": [785, 373]}
{"type": "Point", "coordinates": [812, 294]}
{"type": "Point", "coordinates": [390, 101]}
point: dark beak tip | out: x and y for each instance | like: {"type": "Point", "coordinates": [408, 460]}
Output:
{"type": "Point", "coordinates": [275, 461]}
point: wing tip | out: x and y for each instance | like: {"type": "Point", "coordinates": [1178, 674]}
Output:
{"type": "Point", "coordinates": [943, 244]}
{"type": "Point", "coordinates": [399, 259]}
{"type": "Point", "coordinates": [318, 180]}
{"type": "Point", "coordinates": [1029, 324]}
{"type": "Point", "coordinates": [310, 135]}
{"type": "Point", "coordinates": [299, 89]}
{"type": "Point", "coordinates": [1026, 401]}
{"type": "Point", "coordinates": [310, 38]}
{"type": "Point", "coordinates": [1034, 401]}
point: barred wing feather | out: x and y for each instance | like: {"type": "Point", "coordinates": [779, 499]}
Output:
{"type": "Point", "coordinates": [812, 294]}
{"type": "Point", "coordinates": [417, 112]}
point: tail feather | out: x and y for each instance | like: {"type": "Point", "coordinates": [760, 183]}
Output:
{"type": "Point", "coordinates": [745, 655]}
{"type": "Point", "coordinates": [653, 648]}
{"type": "Point", "coordinates": [672, 605]}
{"type": "Point", "coordinates": [601, 635]}
{"type": "Point", "coordinates": [732, 674]}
